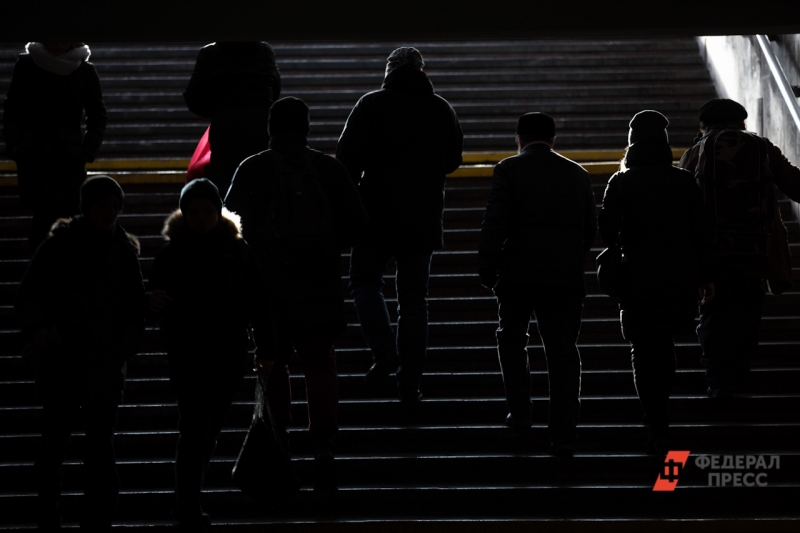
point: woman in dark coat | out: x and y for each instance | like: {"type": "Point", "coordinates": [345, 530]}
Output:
{"type": "Point", "coordinates": [52, 86]}
{"type": "Point", "coordinates": [233, 84]}
{"type": "Point", "coordinates": [208, 291]}
{"type": "Point", "coordinates": [655, 212]}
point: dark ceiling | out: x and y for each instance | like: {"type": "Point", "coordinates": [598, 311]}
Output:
{"type": "Point", "coordinates": [182, 20]}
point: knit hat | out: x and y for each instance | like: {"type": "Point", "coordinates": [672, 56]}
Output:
{"type": "Point", "coordinates": [200, 188]}
{"type": "Point", "coordinates": [648, 124]}
{"type": "Point", "coordinates": [722, 111]}
{"type": "Point", "coordinates": [289, 117]}
{"type": "Point", "coordinates": [96, 188]}
{"type": "Point", "coordinates": [405, 55]}
{"type": "Point", "coordinates": [536, 125]}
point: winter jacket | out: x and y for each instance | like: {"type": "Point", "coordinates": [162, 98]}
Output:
{"type": "Point", "coordinates": [85, 286]}
{"type": "Point", "coordinates": [405, 139]}
{"type": "Point", "coordinates": [655, 212]}
{"type": "Point", "coordinates": [43, 112]}
{"type": "Point", "coordinates": [234, 84]}
{"type": "Point", "coordinates": [309, 295]}
{"type": "Point", "coordinates": [540, 220]}
{"type": "Point", "coordinates": [777, 269]}
{"type": "Point", "coordinates": [218, 293]}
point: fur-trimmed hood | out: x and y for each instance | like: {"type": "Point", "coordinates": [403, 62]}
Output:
{"type": "Point", "coordinates": [64, 224]}
{"type": "Point", "coordinates": [175, 227]}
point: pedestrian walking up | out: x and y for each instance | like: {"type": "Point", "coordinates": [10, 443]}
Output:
{"type": "Point", "coordinates": [654, 211]}
{"type": "Point", "coordinates": [398, 144]}
{"type": "Point", "coordinates": [299, 208]}
{"type": "Point", "coordinates": [81, 314]}
{"type": "Point", "coordinates": [233, 85]}
{"type": "Point", "coordinates": [540, 223]}
{"type": "Point", "coordinates": [209, 295]}
{"type": "Point", "coordinates": [738, 173]}
{"type": "Point", "coordinates": [53, 87]}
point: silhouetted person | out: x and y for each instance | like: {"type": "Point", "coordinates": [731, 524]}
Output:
{"type": "Point", "coordinates": [655, 211]}
{"type": "Point", "coordinates": [207, 289]}
{"type": "Point", "coordinates": [233, 85]}
{"type": "Point", "coordinates": [299, 208]}
{"type": "Point", "coordinates": [80, 309]}
{"type": "Point", "coordinates": [540, 223]}
{"type": "Point", "coordinates": [52, 87]}
{"type": "Point", "coordinates": [398, 144]}
{"type": "Point", "coordinates": [729, 324]}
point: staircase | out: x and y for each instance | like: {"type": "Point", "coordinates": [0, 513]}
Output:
{"type": "Point", "coordinates": [450, 464]}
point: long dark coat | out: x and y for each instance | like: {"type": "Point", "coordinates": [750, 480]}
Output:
{"type": "Point", "coordinates": [309, 296]}
{"type": "Point", "coordinates": [777, 270]}
{"type": "Point", "coordinates": [218, 293]}
{"type": "Point", "coordinates": [85, 286]}
{"type": "Point", "coordinates": [655, 211]}
{"type": "Point", "coordinates": [234, 84]}
{"type": "Point", "coordinates": [405, 139]}
{"type": "Point", "coordinates": [540, 220]}
{"type": "Point", "coordinates": [42, 120]}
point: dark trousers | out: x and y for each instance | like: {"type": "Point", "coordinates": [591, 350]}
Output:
{"type": "Point", "coordinates": [558, 316]}
{"type": "Point", "coordinates": [317, 358]}
{"type": "Point", "coordinates": [728, 331]}
{"type": "Point", "coordinates": [653, 362]}
{"type": "Point", "coordinates": [101, 483]}
{"type": "Point", "coordinates": [367, 267]}
{"type": "Point", "coordinates": [202, 413]}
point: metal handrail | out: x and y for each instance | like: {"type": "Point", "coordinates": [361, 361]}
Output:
{"type": "Point", "coordinates": [780, 79]}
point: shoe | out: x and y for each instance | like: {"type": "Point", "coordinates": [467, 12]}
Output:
{"type": "Point", "coordinates": [561, 450]}
{"type": "Point", "coordinates": [719, 394]}
{"type": "Point", "coordinates": [383, 367]}
{"type": "Point", "coordinates": [195, 520]}
{"type": "Point", "coordinates": [519, 423]}
{"type": "Point", "coordinates": [410, 396]}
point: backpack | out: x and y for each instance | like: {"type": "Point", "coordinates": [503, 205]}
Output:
{"type": "Point", "coordinates": [734, 176]}
{"type": "Point", "coordinates": [297, 226]}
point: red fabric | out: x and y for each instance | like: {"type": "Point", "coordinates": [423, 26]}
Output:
{"type": "Point", "coordinates": [200, 158]}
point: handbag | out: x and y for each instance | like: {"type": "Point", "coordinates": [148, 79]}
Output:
{"type": "Point", "coordinates": [263, 469]}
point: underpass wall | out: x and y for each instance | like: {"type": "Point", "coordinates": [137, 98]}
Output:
{"type": "Point", "coordinates": [740, 70]}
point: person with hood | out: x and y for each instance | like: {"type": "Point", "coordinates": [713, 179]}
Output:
{"type": "Point", "coordinates": [398, 144]}
{"type": "Point", "coordinates": [52, 88]}
{"type": "Point", "coordinates": [540, 222]}
{"type": "Point", "coordinates": [80, 310]}
{"type": "Point", "coordinates": [655, 212]}
{"type": "Point", "coordinates": [729, 325]}
{"type": "Point", "coordinates": [208, 292]}
{"type": "Point", "coordinates": [233, 85]}
{"type": "Point", "coordinates": [299, 208]}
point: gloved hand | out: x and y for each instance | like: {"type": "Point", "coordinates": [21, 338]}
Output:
{"type": "Point", "coordinates": [488, 277]}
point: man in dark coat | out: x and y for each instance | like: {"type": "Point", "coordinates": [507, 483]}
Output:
{"type": "Point", "coordinates": [729, 324]}
{"type": "Point", "coordinates": [398, 144]}
{"type": "Point", "coordinates": [304, 281]}
{"type": "Point", "coordinates": [655, 212]}
{"type": "Point", "coordinates": [52, 86]}
{"type": "Point", "coordinates": [540, 223]}
{"type": "Point", "coordinates": [233, 84]}
{"type": "Point", "coordinates": [80, 309]}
